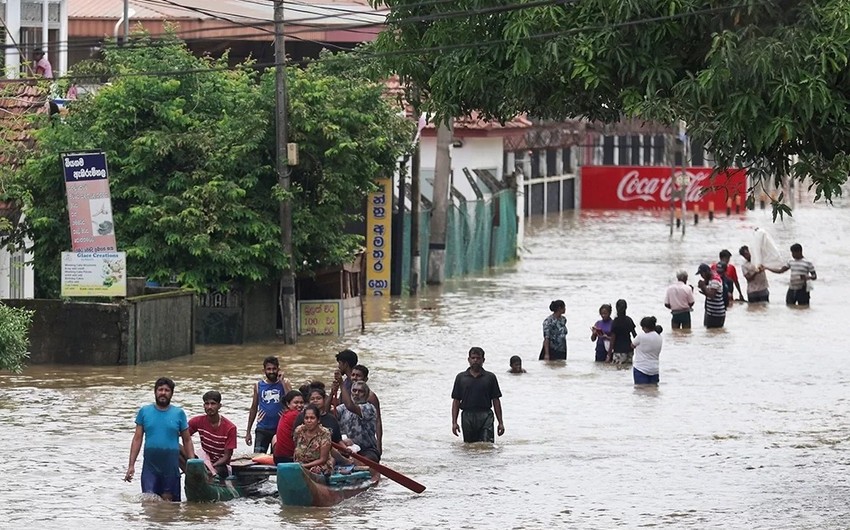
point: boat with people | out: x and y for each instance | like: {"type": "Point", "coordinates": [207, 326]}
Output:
{"type": "Point", "coordinates": [297, 486]}
{"type": "Point", "coordinates": [246, 481]}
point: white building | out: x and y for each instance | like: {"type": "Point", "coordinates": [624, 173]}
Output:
{"type": "Point", "coordinates": [34, 24]}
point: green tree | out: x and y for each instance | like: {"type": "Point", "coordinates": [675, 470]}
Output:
{"type": "Point", "coordinates": [190, 146]}
{"type": "Point", "coordinates": [764, 83]}
{"type": "Point", "coordinates": [14, 337]}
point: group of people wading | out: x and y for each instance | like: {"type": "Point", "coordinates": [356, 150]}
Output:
{"type": "Point", "coordinates": [617, 340]}
{"type": "Point", "coordinates": [300, 426]}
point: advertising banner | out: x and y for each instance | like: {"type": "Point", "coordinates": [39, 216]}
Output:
{"type": "Point", "coordinates": [652, 187]}
{"type": "Point", "coordinates": [94, 274]}
{"type": "Point", "coordinates": [89, 202]}
{"type": "Point", "coordinates": [379, 210]}
{"type": "Point", "coordinates": [320, 317]}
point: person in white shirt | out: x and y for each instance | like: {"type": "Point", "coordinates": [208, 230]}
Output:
{"type": "Point", "coordinates": [647, 346]}
{"type": "Point", "coordinates": [757, 286]}
{"type": "Point", "coordinates": [679, 299]}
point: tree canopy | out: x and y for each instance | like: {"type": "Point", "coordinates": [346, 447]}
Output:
{"type": "Point", "coordinates": [190, 147]}
{"type": "Point", "coordinates": [764, 83]}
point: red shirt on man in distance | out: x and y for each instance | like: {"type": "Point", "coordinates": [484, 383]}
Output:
{"type": "Point", "coordinates": [285, 445]}
{"type": "Point", "coordinates": [731, 272]}
{"type": "Point", "coordinates": [214, 440]}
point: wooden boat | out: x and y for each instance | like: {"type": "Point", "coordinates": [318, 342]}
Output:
{"type": "Point", "coordinates": [298, 487]}
{"type": "Point", "coordinates": [245, 482]}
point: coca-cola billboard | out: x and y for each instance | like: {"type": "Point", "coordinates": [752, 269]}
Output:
{"type": "Point", "coordinates": [652, 187]}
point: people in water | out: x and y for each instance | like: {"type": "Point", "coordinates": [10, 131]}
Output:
{"type": "Point", "coordinates": [266, 405]}
{"type": "Point", "coordinates": [757, 285]}
{"type": "Point", "coordinates": [731, 273]}
{"type": "Point", "coordinates": [516, 365]}
{"type": "Point", "coordinates": [711, 286]}
{"type": "Point", "coordinates": [217, 436]}
{"type": "Point", "coordinates": [600, 333]}
{"type": "Point", "coordinates": [802, 273]}
{"type": "Point", "coordinates": [622, 330]}
{"type": "Point", "coordinates": [679, 299]}
{"type": "Point", "coordinates": [647, 347]}
{"type": "Point", "coordinates": [555, 333]}
{"type": "Point", "coordinates": [475, 391]}
{"type": "Point", "coordinates": [161, 426]}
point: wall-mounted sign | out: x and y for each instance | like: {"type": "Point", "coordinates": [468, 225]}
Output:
{"type": "Point", "coordinates": [94, 274]}
{"type": "Point", "coordinates": [89, 202]}
{"type": "Point", "coordinates": [652, 187]}
{"type": "Point", "coordinates": [379, 239]}
{"type": "Point", "coordinates": [320, 317]}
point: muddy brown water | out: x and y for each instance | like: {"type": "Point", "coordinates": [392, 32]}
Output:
{"type": "Point", "coordinates": [748, 429]}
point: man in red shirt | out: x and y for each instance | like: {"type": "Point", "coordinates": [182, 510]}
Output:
{"type": "Point", "coordinates": [731, 272]}
{"type": "Point", "coordinates": [217, 434]}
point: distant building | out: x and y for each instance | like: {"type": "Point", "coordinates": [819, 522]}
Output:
{"type": "Point", "coordinates": [32, 25]}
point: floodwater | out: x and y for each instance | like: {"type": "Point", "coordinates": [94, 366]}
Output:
{"type": "Point", "coordinates": [748, 429]}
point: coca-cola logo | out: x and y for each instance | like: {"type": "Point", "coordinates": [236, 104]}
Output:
{"type": "Point", "coordinates": [634, 187]}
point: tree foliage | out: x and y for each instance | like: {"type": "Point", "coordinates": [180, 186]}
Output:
{"type": "Point", "coordinates": [14, 337]}
{"type": "Point", "coordinates": [764, 83]}
{"type": "Point", "coordinates": [190, 146]}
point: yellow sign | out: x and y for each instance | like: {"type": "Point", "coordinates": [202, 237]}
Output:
{"type": "Point", "coordinates": [320, 317]}
{"type": "Point", "coordinates": [379, 239]}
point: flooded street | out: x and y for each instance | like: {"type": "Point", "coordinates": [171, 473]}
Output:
{"type": "Point", "coordinates": [749, 427]}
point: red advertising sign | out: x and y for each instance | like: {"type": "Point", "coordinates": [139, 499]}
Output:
{"type": "Point", "coordinates": [89, 202]}
{"type": "Point", "coordinates": [652, 187]}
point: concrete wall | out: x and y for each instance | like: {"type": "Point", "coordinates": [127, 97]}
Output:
{"type": "Point", "coordinates": [163, 327]}
{"type": "Point", "coordinates": [352, 311]}
{"type": "Point", "coordinates": [136, 330]}
{"type": "Point", "coordinates": [260, 312]}
{"type": "Point", "coordinates": [75, 333]}
{"type": "Point", "coordinates": [237, 316]}
{"type": "Point", "coordinates": [476, 153]}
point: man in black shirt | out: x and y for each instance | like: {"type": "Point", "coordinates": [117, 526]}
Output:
{"type": "Point", "coordinates": [474, 391]}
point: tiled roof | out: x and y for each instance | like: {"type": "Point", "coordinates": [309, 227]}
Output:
{"type": "Point", "coordinates": [472, 122]}
{"type": "Point", "coordinates": [19, 100]}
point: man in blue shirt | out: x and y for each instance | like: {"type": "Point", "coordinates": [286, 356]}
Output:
{"type": "Point", "coordinates": [161, 425]}
{"type": "Point", "coordinates": [267, 405]}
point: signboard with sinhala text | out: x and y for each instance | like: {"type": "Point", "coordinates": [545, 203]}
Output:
{"type": "Point", "coordinates": [89, 202]}
{"type": "Point", "coordinates": [379, 208]}
{"type": "Point", "coordinates": [320, 317]}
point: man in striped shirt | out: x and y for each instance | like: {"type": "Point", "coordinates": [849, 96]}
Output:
{"type": "Point", "coordinates": [217, 433]}
{"type": "Point", "coordinates": [802, 271]}
{"type": "Point", "coordinates": [715, 305]}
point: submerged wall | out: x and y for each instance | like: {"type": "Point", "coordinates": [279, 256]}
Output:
{"type": "Point", "coordinates": [135, 330]}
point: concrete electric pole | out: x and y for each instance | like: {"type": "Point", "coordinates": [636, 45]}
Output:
{"type": "Point", "coordinates": [282, 162]}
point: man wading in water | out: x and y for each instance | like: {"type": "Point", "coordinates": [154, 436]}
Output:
{"type": "Point", "coordinates": [161, 425]}
{"type": "Point", "coordinates": [474, 391]}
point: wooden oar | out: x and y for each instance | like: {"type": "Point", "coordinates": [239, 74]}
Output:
{"type": "Point", "coordinates": [391, 474]}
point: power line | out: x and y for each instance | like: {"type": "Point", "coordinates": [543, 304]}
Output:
{"type": "Point", "coordinates": [449, 47]}
{"type": "Point", "coordinates": [88, 43]}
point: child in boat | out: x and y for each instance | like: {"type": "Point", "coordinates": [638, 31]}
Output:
{"type": "Point", "coordinates": [516, 365]}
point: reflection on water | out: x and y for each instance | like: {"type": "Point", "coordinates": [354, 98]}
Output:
{"type": "Point", "coordinates": [748, 428]}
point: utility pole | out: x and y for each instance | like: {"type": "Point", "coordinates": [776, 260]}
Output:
{"type": "Point", "coordinates": [439, 215]}
{"type": "Point", "coordinates": [126, 22]}
{"type": "Point", "coordinates": [287, 277]}
{"type": "Point", "coordinates": [415, 207]}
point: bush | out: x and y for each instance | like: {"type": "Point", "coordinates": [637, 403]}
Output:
{"type": "Point", "coordinates": [14, 337]}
